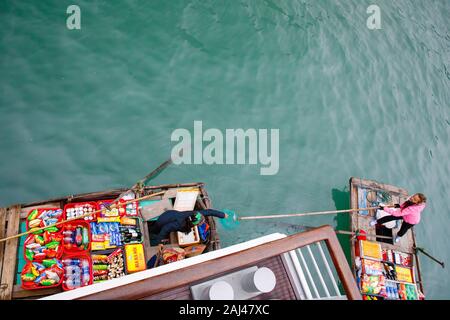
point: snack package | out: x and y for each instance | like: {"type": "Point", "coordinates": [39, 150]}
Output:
{"type": "Point", "coordinates": [170, 255]}
{"type": "Point", "coordinates": [39, 218]}
{"type": "Point", "coordinates": [373, 285]}
{"type": "Point", "coordinates": [44, 246]}
{"type": "Point", "coordinates": [41, 275]}
{"type": "Point", "coordinates": [112, 212]}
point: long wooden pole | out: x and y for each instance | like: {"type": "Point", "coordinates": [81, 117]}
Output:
{"type": "Point", "coordinates": [276, 216]}
{"type": "Point", "coordinates": [362, 235]}
{"type": "Point", "coordinates": [82, 216]}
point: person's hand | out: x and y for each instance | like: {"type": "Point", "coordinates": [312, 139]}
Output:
{"type": "Point", "coordinates": [381, 207]}
{"type": "Point", "coordinates": [397, 206]}
{"type": "Point", "coordinates": [226, 215]}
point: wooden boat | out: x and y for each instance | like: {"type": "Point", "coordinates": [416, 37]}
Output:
{"type": "Point", "coordinates": [368, 193]}
{"type": "Point", "coordinates": [12, 221]}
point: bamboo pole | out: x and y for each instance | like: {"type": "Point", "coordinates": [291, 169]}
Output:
{"type": "Point", "coordinates": [82, 216]}
{"type": "Point", "coordinates": [362, 235]}
{"type": "Point", "coordinates": [276, 216]}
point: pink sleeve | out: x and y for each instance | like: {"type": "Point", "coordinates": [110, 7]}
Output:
{"type": "Point", "coordinates": [395, 212]}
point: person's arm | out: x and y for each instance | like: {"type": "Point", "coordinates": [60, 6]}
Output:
{"type": "Point", "coordinates": [212, 212]}
{"type": "Point", "coordinates": [393, 211]}
{"type": "Point", "coordinates": [401, 213]}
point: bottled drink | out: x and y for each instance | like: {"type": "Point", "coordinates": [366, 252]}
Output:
{"type": "Point", "coordinates": [78, 237]}
{"type": "Point", "coordinates": [85, 237]}
{"type": "Point", "coordinates": [69, 262]}
{"type": "Point", "coordinates": [72, 269]}
{"type": "Point", "coordinates": [86, 274]}
{"type": "Point", "coordinates": [73, 283]}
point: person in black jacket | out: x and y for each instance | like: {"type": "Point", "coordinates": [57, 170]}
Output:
{"type": "Point", "coordinates": [183, 221]}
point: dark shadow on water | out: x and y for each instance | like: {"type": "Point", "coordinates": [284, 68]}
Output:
{"type": "Point", "coordinates": [341, 200]}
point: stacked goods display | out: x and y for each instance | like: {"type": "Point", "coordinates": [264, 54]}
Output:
{"type": "Point", "coordinates": [77, 271]}
{"type": "Point", "coordinates": [44, 246]}
{"type": "Point", "coordinates": [45, 274]}
{"type": "Point", "coordinates": [130, 230]}
{"type": "Point", "coordinates": [78, 209]}
{"type": "Point", "coordinates": [385, 273]}
{"type": "Point", "coordinates": [108, 265]}
{"type": "Point", "coordinates": [39, 218]}
{"type": "Point", "coordinates": [91, 247]}
{"type": "Point", "coordinates": [76, 236]}
{"type": "Point", "coordinates": [106, 233]}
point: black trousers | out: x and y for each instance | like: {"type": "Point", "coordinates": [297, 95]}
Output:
{"type": "Point", "coordinates": [405, 225]}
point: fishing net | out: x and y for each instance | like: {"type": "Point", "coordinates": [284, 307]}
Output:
{"type": "Point", "coordinates": [231, 222]}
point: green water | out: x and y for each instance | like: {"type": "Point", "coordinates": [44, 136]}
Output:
{"type": "Point", "coordinates": [93, 109]}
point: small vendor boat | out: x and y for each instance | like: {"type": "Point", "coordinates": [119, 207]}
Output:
{"type": "Point", "coordinates": [83, 246]}
{"type": "Point", "coordinates": [383, 270]}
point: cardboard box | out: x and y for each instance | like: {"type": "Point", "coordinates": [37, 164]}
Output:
{"type": "Point", "coordinates": [135, 258]}
{"type": "Point", "coordinates": [188, 239]}
{"type": "Point", "coordinates": [372, 267]}
{"type": "Point", "coordinates": [369, 249]}
{"type": "Point", "coordinates": [404, 274]}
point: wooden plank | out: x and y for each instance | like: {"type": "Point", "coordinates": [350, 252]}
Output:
{"type": "Point", "coordinates": [10, 254]}
{"type": "Point", "coordinates": [3, 212]}
{"type": "Point", "coordinates": [171, 193]}
{"type": "Point", "coordinates": [371, 184]}
{"type": "Point", "coordinates": [146, 242]}
{"type": "Point", "coordinates": [25, 210]}
{"type": "Point", "coordinates": [20, 293]}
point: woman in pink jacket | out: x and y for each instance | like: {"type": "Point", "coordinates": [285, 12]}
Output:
{"type": "Point", "coordinates": [409, 212]}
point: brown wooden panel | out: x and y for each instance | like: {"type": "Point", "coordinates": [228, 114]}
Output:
{"type": "Point", "coordinates": [10, 254]}
{"type": "Point", "coordinates": [282, 291]}
{"type": "Point", "coordinates": [3, 212]}
{"type": "Point", "coordinates": [19, 293]}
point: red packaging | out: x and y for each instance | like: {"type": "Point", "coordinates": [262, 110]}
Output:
{"type": "Point", "coordinates": [68, 266]}
{"type": "Point", "coordinates": [31, 285]}
{"type": "Point", "coordinates": [48, 253]}
{"type": "Point", "coordinates": [69, 228]}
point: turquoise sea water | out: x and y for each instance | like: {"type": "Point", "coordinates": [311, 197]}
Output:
{"type": "Point", "coordinates": [93, 109]}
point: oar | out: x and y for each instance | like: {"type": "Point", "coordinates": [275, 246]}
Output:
{"type": "Point", "coordinates": [82, 216]}
{"type": "Point", "coordinates": [142, 182]}
{"type": "Point", "coordinates": [430, 256]}
{"type": "Point", "coordinates": [289, 215]}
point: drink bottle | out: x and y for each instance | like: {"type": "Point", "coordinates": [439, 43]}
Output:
{"type": "Point", "coordinates": [69, 262]}
{"type": "Point", "coordinates": [78, 237]}
{"type": "Point", "coordinates": [73, 283]}
{"type": "Point", "coordinates": [86, 277]}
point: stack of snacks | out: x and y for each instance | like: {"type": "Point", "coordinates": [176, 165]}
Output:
{"type": "Point", "coordinates": [45, 274]}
